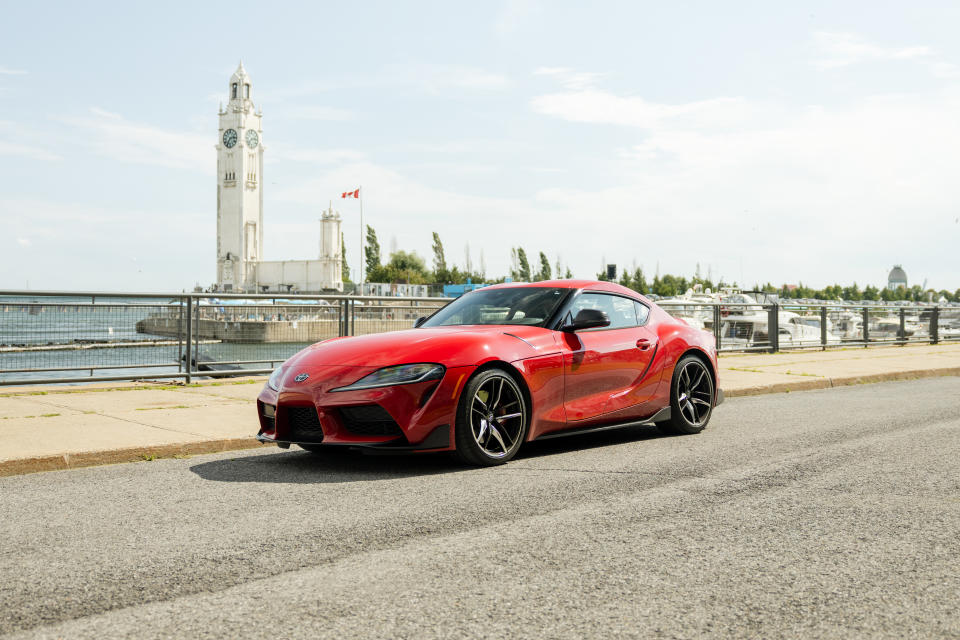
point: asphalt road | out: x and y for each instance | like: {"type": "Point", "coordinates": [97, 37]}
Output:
{"type": "Point", "coordinates": [830, 513]}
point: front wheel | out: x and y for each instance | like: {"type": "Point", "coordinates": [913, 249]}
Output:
{"type": "Point", "coordinates": [691, 397]}
{"type": "Point", "coordinates": [492, 419]}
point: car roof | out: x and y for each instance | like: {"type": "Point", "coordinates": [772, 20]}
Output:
{"type": "Point", "coordinates": [593, 285]}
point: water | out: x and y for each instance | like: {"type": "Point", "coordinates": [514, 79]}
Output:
{"type": "Point", "coordinates": [73, 331]}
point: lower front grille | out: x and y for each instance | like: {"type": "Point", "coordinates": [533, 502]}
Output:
{"type": "Point", "coordinates": [303, 424]}
{"type": "Point", "coordinates": [369, 420]}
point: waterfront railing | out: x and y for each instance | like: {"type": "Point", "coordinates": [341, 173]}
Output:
{"type": "Point", "coordinates": [72, 337]}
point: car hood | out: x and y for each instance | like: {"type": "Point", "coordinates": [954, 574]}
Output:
{"type": "Point", "coordinates": [450, 346]}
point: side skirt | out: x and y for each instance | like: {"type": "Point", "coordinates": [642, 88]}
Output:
{"type": "Point", "coordinates": [660, 416]}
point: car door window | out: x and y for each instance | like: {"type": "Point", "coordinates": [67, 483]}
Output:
{"type": "Point", "coordinates": [620, 310]}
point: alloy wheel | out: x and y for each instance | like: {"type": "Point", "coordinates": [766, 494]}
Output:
{"type": "Point", "coordinates": [694, 392]}
{"type": "Point", "coordinates": [497, 416]}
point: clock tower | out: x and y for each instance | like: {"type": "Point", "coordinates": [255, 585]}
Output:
{"type": "Point", "coordinates": [239, 187]}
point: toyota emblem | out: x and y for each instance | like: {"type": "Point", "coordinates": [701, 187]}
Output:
{"type": "Point", "coordinates": [301, 377]}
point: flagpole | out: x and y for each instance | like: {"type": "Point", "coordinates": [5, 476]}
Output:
{"type": "Point", "coordinates": [360, 190]}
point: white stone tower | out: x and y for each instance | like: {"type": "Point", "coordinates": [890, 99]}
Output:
{"type": "Point", "coordinates": [239, 188]}
{"type": "Point", "coordinates": [331, 250]}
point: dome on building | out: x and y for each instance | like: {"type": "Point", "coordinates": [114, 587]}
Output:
{"type": "Point", "coordinates": [897, 277]}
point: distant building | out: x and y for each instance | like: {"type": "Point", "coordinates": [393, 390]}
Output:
{"type": "Point", "coordinates": [897, 278]}
{"type": "Point", "coordinates": [240, 264]}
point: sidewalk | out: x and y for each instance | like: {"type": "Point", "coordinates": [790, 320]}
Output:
{"type": "Point", "coordinates": [44, 428]}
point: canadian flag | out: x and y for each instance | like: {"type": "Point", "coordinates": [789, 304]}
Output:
{"type": "Point", "coordinates": [351, 194]}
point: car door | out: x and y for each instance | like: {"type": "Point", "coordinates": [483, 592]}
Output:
{"type": "Point", "coordinates": [604, 367]}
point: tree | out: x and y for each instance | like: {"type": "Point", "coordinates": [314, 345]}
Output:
{"type": "Point", "coordinates": [439, 259]}
{"type": "Point", "coordinates": [569, 275]}
{"type": "Point", "coordinates": [544, 273]}
{"type": "Point", "coordinates": [372, 253]}
{"type": "Point", "coordinates": [344, 267]}
{"type": "Point", "coordinates": [524, 265]}
{"type": "Point", "coordinates": [403, 267]}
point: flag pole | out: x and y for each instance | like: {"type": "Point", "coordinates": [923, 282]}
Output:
{"type": "Point", "coordinates": [360, 190]}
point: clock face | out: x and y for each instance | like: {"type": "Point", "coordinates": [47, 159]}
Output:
{"type": "Point", "coordinates": [252, 139]}
{"type": "Point", "coordinates": [229, 138]}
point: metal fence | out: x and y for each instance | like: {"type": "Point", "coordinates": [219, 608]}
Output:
{"type": "Point", "coordinates": [66, 337]}
{"type": "Point", "coordinates": [83, 337]}
{"type": "Point", "coordinates": [746, 326]}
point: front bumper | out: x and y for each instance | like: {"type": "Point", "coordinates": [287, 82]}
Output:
{"type": "Point", "coordinates": [412, 417]}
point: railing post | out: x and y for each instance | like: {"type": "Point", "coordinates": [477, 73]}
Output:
{"type": "Point", "coordinates": [773, 327]}
{"type": "Point", "coordinates": [717, 320]}
{"type": "Point", "coordinates": [189, 335]}
{"type": "Point", "coordinates": [866, 326]}
{"type": "Point", "coordinates": [935, 326]}
{"type": "Point", "coordinates": [823, 328]}
{"type": "Point", "coordinates": [340, 317]}
{"type": "Point", "coordinates": [902, 331]}
{"type": "Point", "coordinates": [351, 321]}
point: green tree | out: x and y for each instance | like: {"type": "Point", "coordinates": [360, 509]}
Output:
{"type": "Point", "coordinates": [569, 275]}
{"type": "Point", "coordinates": [523, 266]}
{"type": "Point", "coordinates": [344, 267]}
{"type": "Point", "coordinates": [403, 267]}
{"type": "Point", "coordinates": [544, 273]}
{"type": "Point", "coordinates": [372, 253]}
{"type": "Point", "coordinates": [439, 259]}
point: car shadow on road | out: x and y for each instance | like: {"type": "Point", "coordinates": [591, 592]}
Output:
{"type": "Point", "coordinates": [340, 466]}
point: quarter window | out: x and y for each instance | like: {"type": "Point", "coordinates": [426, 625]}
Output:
{"type": "Point", "coordinates": [643, 312]}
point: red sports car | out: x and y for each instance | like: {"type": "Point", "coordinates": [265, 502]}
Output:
{"type": "Point", "coordinates": [495, 368]}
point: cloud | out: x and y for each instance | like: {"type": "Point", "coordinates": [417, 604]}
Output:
{"type": "Point", "coordinates": [281, 152]}
{"type": "Point", "coordinates": [27, 151]}
{"type": "Point", "coordinates": [5, 71]}
{"type": "Point", "coordinates": [322, 113]}
{"type": "Point", "coordinates": [571, 79]}
{"type": "Point", "coordinates": [111, 135]}
{"type": "Point", "coordinates": [18, 140]}
{"type": "Point", "coordinates": [602, 107]}
{"type": "Point", "coordinates": [841, 49]}
{"type": "Point", "coordinates": [23, 242]}
{"type": "Point", "coordinates": [514, 14]}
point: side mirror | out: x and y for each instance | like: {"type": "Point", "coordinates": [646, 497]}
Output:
{"type": "Point", "coordinates": [419, 321]}
{"type": "Point", "coordinates": [588, 319]}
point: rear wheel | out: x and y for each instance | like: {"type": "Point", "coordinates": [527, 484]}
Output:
{"type": "Point", "coordinates": [691, 397]}
{"type": "Point", "coordinates": [492, 419]}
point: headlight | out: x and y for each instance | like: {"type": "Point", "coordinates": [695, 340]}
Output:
{"type": "Point", "coordinates": [400, 374]}
{"type": "Point", "coordinates": [274, 381]}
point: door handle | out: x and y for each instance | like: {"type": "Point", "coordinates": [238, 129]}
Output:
{"type": "Point", "coordinates": [643, 344]}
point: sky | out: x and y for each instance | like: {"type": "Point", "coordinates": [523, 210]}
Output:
{"type": "Point", "coordinates": [813, 142]}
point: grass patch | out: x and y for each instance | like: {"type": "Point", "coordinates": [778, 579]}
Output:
{"type": "Point", "coordinates": [178, 406]}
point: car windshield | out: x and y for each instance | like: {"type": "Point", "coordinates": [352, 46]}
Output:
{"type": "Point", "coordinates": [517, 305]}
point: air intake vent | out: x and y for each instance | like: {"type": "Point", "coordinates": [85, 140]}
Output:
{"type": "Point", "coordinates": [369, 420]}
{"type": "Point", "coordinates": [303, 424]}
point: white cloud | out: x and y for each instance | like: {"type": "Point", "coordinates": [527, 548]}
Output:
{"type": "Point", "coordinates": [280, 152]}
{"type": "Point", "coordinates": [309, 112]}
{"type": "Point", "coordinates": [26, 151]}
{"type": "Point", "coordinates": [438, 78]}
{"type": "Point", "coordinates": [6, 71]}
{"type": "Point", "coordinates": [602, 107]}
{"type": "Point", "coordinates": [787, 188]}
{"type": "Point", "coordinates": [111, 135]}
{"type": "Point", "coordinates": [839, 49]}
{"type": "Point", "coordinates": [17, 140]}
{"type": "Point", "coordinates": [570, 78]}
{"type": "Point", "coordinates": [514, 14]}
{"type": "Point", "coordinates": [23, 242]}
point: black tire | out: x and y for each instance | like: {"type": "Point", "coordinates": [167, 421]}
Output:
{"type": "Point", "coordinates": [492, 419]}
{"type": "Point", "coordinates": [692, 395]}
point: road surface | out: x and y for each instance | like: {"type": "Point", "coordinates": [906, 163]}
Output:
{"type": "Point", "coordinates": [829, 513]}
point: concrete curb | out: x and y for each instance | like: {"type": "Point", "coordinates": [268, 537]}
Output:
{"type": "Point", "coordinates": [827, 383]}
{"type": "Point", "coordinates": [131, 454]}
{"type": "Point", "coordinates": [139, 454]}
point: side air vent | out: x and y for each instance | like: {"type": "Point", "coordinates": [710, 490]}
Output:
{"type": "Point", "coordinates": [369, 420]}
